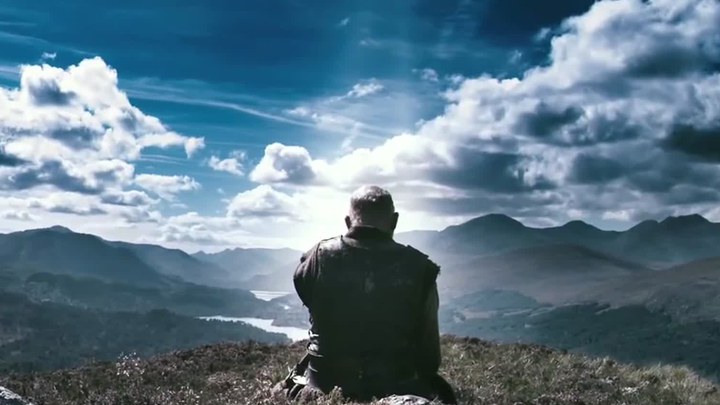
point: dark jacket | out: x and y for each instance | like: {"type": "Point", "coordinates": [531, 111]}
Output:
{"type": "Point", "coordinates": [373, 309]}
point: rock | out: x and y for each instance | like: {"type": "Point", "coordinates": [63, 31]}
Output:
{"type": "Point", "coordinates": [8, 397]}
{"type": "Point", "coordinates": [404, 400]}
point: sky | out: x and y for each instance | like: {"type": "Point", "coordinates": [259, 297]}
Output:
{"type": "Point", "coordinates": [206, 125]}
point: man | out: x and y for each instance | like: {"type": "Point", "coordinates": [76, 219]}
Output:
{"type": "Point", "coordinates": [373, 307]}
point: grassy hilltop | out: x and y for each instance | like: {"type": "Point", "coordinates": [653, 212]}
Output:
{"type": "Point", "coordinates": [482, 372]}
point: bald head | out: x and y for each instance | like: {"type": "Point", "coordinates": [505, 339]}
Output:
{"type": "Point", "coordinates": [372, 206]}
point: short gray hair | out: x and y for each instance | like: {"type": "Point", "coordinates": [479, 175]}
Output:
{"type": "Point", "coordinates": [369, 204]}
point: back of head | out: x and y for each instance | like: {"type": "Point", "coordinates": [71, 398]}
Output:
{"type": "Point", "coordinates": [372, 206]}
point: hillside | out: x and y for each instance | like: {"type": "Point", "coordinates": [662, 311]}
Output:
{"type": "Point", "coordinates": [47, 336]}
{"type": "Point", "coordinates": [552, 273]}
{"type": "Point", "coordinates": [243, 264]}
{"type": "Point", "coordinates": [672, 241]}
{"type": "Point", "coordinates": [483, 373]}
{"type": "Point", "coordinates": [688, 291]}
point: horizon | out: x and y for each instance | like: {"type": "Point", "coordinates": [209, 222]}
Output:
{"type": "Point", "coordinates": [208, 127]}
{"type": "Point", "coordinates": [396, 233]}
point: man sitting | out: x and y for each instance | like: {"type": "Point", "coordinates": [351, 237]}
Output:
{"type": "Point", "coordinates": [373, 307]}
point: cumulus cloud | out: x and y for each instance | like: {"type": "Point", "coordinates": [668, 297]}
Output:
{"type": "Point", "coordinates": [167, 187]}
{"type": "Point", "coordinates": [627, 107]}
{"type": "Point", "coordinates": [67, 203]}
{"type": "Point", "coordinates": [232, 164]}
{"type": "Point", "coordinates": [131, 198]}
{"type": "Point", "coordinates": [263, 202]}
{"type": "Point", "coordinates": [285, 164]}
{"type": "Point", "coordinates": [60, 122]}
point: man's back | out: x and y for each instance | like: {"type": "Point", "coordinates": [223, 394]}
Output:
{"type": "Point", "coordinates": [373, 308]}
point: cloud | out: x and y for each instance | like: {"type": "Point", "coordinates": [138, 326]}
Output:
{"type": "Point", "coordinates": [365, 89]}
{"type": "Point", "coordinates": [703, 143]}
{"type": "Point", "coordinates": [624, 109]}
{"type": "Point", "coordinates": [285, 164]}
{"type": "Point", "coordinates": [82, 108]}
{"type": "Point", "coordinates": [166, 187]}
{"type": "Point", "coordinates": [428, 74]}
{"type": "Point", "coordinates": [263, 202]}
{"type": "Point", "coordinates": [232, 165]}
{"type": "Point", "coordinates": [48, 56]}
{"type": "Point", "coordinates": [344, 22]}
{"type": "Point", "coordinates": [131, 198]}
{"type": "Point", "coordinates": [67, 203]}
{"type": "Point", "coordinates": [18, 216]}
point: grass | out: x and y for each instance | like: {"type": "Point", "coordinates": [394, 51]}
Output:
{"type": "Point", "coordinates": [481, 372]}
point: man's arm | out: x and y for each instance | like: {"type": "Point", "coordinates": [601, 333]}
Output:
{"type": "Point", "coordinates": [429, 359]}
{"type": "Point", "coordinates": [304, 273]}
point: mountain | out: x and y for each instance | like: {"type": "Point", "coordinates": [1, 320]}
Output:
{"type": "Point", "coordinates": [62, 251]}
{"type": "Point", "coordinates": [550, 274]}
{"type": "Point", "coordinates": [687, 292]}
{"type": "Point", "coordinates": [47, 336]}
{"type": "Point", "coordinates": [244, 264]}
{"type": "Point", "coordinates": [480, 372]}
{"type": "Point", "coordinates": [177, 263]}
{"type": "Point", "coordinates": [672, 241]}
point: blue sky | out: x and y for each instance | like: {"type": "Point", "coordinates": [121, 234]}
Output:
{"type": "Point", "coordinates": [254, 118]}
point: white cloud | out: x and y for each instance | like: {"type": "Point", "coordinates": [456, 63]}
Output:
{"type": "Point", "coordinates": [290, 164]}
{"type": "Point", "coordinates": [231, 165]}
{"type": "Point", "coordinates": [48, 56]}
{"type": "Point", "coordinates": [604, 111]}
{"type": "Point", "coordinates": [368, 88]}
{"type": "Point", "coordinates": [263, 202]}
{"type": "Point", "coordinates": [166, 186]}
{"type": "Point", "coordinates": [428, 74]}
{"type": "Point", "coordinates": [344, 22]}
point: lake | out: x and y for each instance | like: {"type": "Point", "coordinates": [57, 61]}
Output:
{"type": "Point", "coordinates": [268, 295]}
{"type": "Point", "coordinates": [295, 334]}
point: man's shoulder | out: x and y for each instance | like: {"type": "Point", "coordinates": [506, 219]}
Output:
{"type": "Point", "coordinates": [420, 256]}
{"type": "Point", "coordinates": [332, 243]}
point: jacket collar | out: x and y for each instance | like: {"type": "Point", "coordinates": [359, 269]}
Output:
{"type": "Point", "coordinates": [363, 233]}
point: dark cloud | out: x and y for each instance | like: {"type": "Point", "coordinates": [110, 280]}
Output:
{"type": "Point", "coordinates": [531, 204]}
{"type": "Point", "coordinates": [589, 169]}
{"type": "Point", "coordinates": [53, 173]}
{"type": "Point", "coordinates": [68, 209]}
{"type": "Point", "coordinates": [9, 160]}
{"type": "Point", "coordinates": [132, 198]}
{"type": "Point", "coordinates": [491, 171]}
{"type": "Point", "coordinates": [602, 128]}
{"type": "Point", "coordinates": [660, 173]}
{"type": "Point", "coordinates": [684, 194]}
{"type": "Point", "coordinates": [668, 56]}
{"type": "Point", "coordinates": [76, 138]}
{"type": "Point", "coordinates": [703, 143]}
{"type": "Point", "coordinates": [545, 120]}
{"type": "Point", "coordinates": [48, 93]}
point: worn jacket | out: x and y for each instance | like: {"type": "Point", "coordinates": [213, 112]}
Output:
{"type": "Point", "coordinates": [371, 300]}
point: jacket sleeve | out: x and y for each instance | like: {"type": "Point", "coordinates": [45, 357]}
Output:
{"type": "Point", "coordinates": [430, 358]}
{"type": "Point", "coordinates": [304, 275]}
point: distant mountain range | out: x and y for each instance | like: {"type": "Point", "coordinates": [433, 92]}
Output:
{"type": "Point", "coordinates": [672, 241]}
{"type": "Point", "coordinates": [572, 286]}
{"type": "Point", "coordinates": [59, 250]}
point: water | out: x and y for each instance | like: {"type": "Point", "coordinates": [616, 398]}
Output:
{"type": "Point", "coordinates": [295, 334]}
{"type": "Point", "coordinates": [268, 295]}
